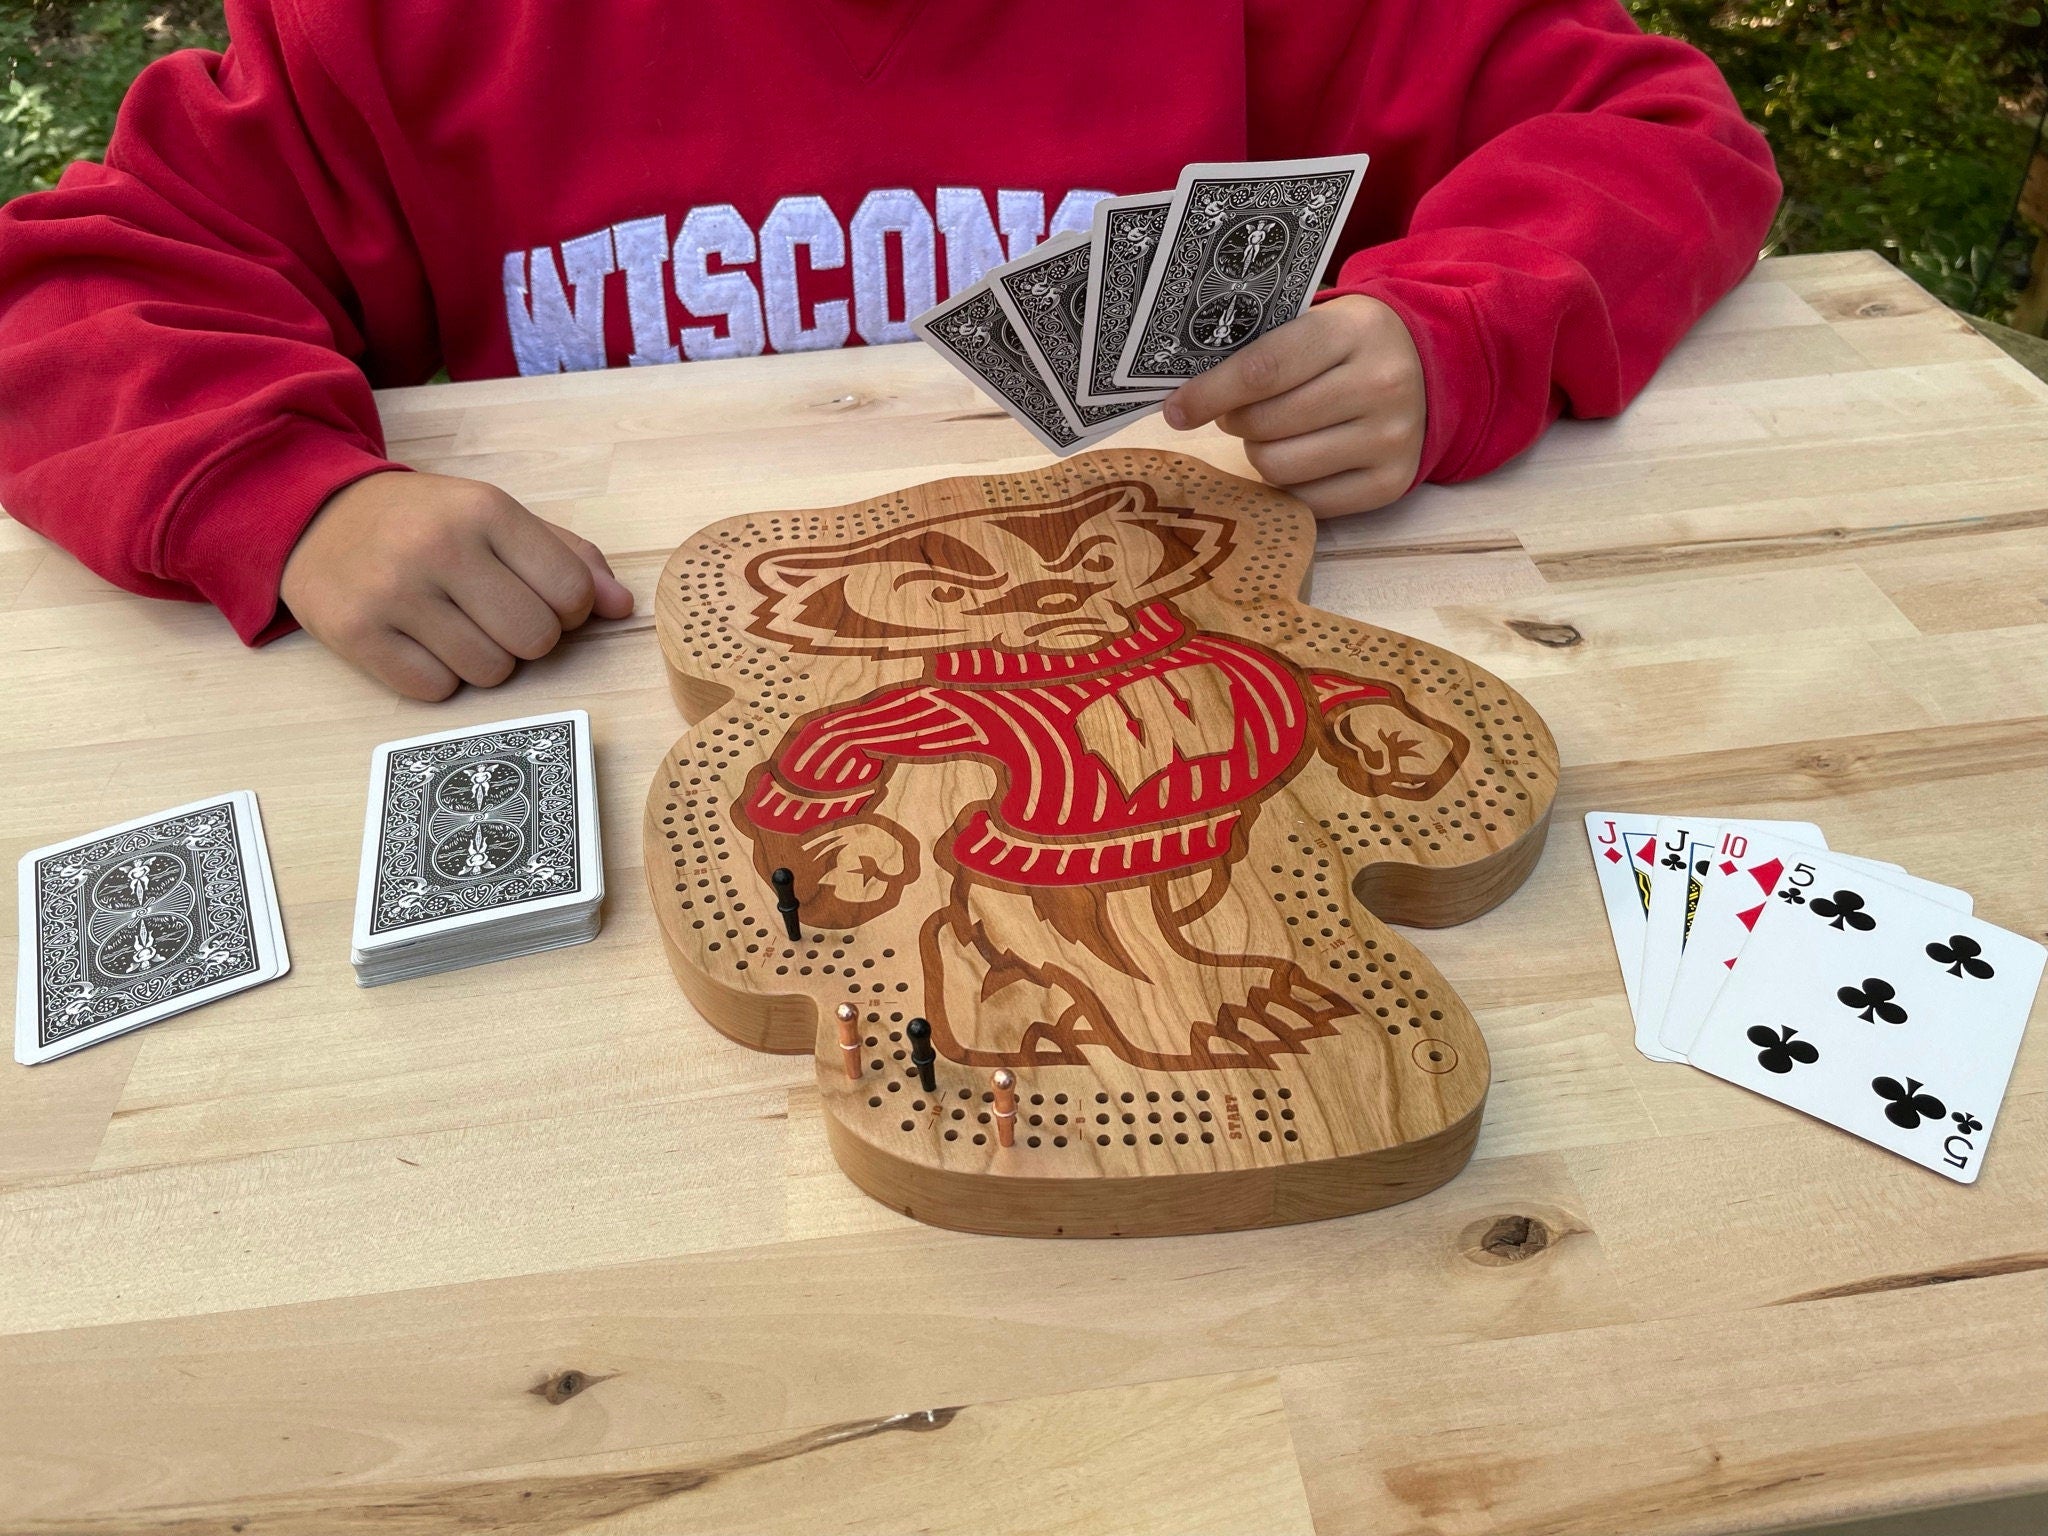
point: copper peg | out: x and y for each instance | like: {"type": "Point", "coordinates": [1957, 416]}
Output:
{"type": "Point", "coordinates": [1006, 1107]}
{"type": "Point", "coordinates": [849, 1039]}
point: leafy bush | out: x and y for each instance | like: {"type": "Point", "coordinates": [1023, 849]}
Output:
{"type": "Point", "coordinates": [1902, 125]}
{"type": "Point", "coordinates": [68, 63]}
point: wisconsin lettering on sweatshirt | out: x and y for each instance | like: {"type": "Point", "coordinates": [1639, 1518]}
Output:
{"type": "Point", "coordinates": [357, 194]}
{"type": "Point", "coordinates": [709, 284]}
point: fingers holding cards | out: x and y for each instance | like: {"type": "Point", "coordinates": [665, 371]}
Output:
{"type": "Point", "coordinates": [1243, 251]}
{"type": "Point", "coordinates": [1170, 283]}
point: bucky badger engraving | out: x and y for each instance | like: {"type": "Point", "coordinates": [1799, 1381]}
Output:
{"type": "Point", "coordinates": [1125, 756]}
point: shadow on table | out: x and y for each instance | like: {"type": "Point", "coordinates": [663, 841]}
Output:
{"type": "Point", "coordinates": [2006, 1517]}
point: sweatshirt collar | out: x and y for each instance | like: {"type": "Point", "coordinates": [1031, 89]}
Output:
{"type": "Point", "coordinates": [1157, 628]}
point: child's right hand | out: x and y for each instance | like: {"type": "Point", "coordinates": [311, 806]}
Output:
{"type": "Point", "coordinates": [426, 582]}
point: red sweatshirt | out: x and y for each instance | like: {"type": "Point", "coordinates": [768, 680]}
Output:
{"type": "Point", "coordinates": [357, 193]}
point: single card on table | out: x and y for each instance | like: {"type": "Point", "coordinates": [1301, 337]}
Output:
{"type": "Point", "coordinates": [1881, 1012]}
{"type": "Point", "coordinates": [1043, 294]}
{"type": "Point", "coordinates": [971, 332]}
{"type": "Point", "coordinates": [477, 824]}
{"type": "Point", "coordinates": [1734, 899]}
{"type": "Point", "coordinates": [1243, 251]}
{"type": "Point", "coordinates": [1121, 245]}
{"type": "Point", "coordinates": [126, 926]}
{"type": "Point", "coordinates": [1686, 851]}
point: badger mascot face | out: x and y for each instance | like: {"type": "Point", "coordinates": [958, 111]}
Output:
{"type": "Point", "coordinates": [1096, 765]}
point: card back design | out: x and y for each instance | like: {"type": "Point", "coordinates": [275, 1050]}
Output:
{"type": "Point", "coordinates": [976, 337]}
{"type": "Point", "coordinates": [1044, 295]}
{"type": "Point", "coordinates": [476, 824]}
{"type": "Point", "coordinates": [139, 918]}
{"type": "Point", "coordinates": [1243, 254]}
{"type": "Point", "coordinates": [1123, 243]}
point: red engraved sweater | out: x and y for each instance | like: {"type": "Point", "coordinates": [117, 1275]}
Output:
{"type": "Point", "coordinates": [1131, 760]}
{"type": "Point", "coordinates": [360, 192]}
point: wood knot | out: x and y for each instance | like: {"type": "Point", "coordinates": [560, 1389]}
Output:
{"type": "Point", "coordinates": [1558, 637]}
{"type": "Point", "coordinates": [563, 1385]}
{"type": "Point", "coordinates": [1828, 762]}
{"type": "Point", "coordinates": [1508, 1239]}
{"type": "Point", "coordinates": [1875, 309]}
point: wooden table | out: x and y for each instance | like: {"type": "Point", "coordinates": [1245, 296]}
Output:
{"type": "Point", "coordinates": [529, 1248]}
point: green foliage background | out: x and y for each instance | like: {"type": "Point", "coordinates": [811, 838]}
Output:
{"type": "Point", "coordinates": [1902, 125]}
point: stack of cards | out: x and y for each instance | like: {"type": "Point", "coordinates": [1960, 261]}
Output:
{"type": "Point", "coordinates": [1087, 332]}
{"type": "Point", "coordinates": [126, 926]}
{"type": "Point", "coordinates": [480, 844]}
{"type": "Point", "coordinates": [1841, 986]}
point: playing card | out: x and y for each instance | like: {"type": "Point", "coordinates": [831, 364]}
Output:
{"type": "Point", "coordinates": [1121, 245]}
{"type": "Point", "coordinates": [477, 825]}
{"type": "Point", "coordinates": [971, 332]}
{"type": "Point", "coordinates": [1243, 251]}
{"type": "Point", "coordinates": [135, 923]}
{"type": "Point", "coordinates": [1043, 295]}
{"type": "Point", "coordinates": [1740, 885]}
{"type": "Point", "coordinates": [1624, 852]}
{"type": "Point", "coordinates": [1687, 847]}
{"type": "Point", "coordinates": [1878, 1011]}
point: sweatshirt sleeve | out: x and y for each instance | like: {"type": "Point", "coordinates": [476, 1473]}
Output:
{"type": "Point", "coordinates": [1558, 196]}
{"type": "Point", "coordinates": [183, 332]}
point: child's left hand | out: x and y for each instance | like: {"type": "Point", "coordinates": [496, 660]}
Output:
{"type": "Point", "coordinates": [1330, 405]}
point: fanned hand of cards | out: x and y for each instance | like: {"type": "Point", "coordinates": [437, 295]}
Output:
{"type": "Point", "coordinates": [480, 844]}
{"type": "Point", "coordinates": [138, 922]}
{"type": "Point", "coordinates": [1087, 332]}
{"type": "Point", "coordinates": [1840, 986]}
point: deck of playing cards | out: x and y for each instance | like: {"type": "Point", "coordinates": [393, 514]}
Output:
{"type": "Point", "coordinates": [123, 927]}
{"type": "Point", "coordinates": [480, 844]}
{"type": "Point", "coordinates": [1088, 332]}
{"type": "Point", "coordinates": [1841, 986]}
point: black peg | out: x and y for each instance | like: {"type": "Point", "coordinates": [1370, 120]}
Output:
{"type": "Point", "coordinates": [922, 1055]}
{"type": "Point", "coordinates": [785, 903]}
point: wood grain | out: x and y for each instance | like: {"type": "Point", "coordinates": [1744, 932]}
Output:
{"type": "Point", "coordinates": [306, 1255]}
{"type": "Point", "coordinates": [1061, 761]}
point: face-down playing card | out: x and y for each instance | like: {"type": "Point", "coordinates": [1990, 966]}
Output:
{"type": "Point", "coordinates": [1244, 248]}
{"type": "Point", "coordinates": [141, 921]}
{"type": "Point", "coordinates": [1043, 295]}
{"type": "Point", "coordinates": [972, 332]}
{"type": "Point", "coordinates": [1121, 245]}
{"type": "Point", "coordinates": [477, 825]}
{"type": "Point", "coordinates": [1880, 1012]}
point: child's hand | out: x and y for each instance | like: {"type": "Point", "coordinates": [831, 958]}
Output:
{"type": "Point", "coordinates": [426, 582]}
{"type": "Point", "coordinates": [1330, 405]}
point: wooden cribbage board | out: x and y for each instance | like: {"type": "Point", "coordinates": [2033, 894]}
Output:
{"type": "Point", "coordinates": [1062, 764]}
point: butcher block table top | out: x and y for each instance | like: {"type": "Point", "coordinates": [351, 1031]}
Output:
{"type": "Point", "coordinates": [530, 1248]}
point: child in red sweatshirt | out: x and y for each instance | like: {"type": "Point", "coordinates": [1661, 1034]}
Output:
{"type": "Point", "coordinates": [358, 193]}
